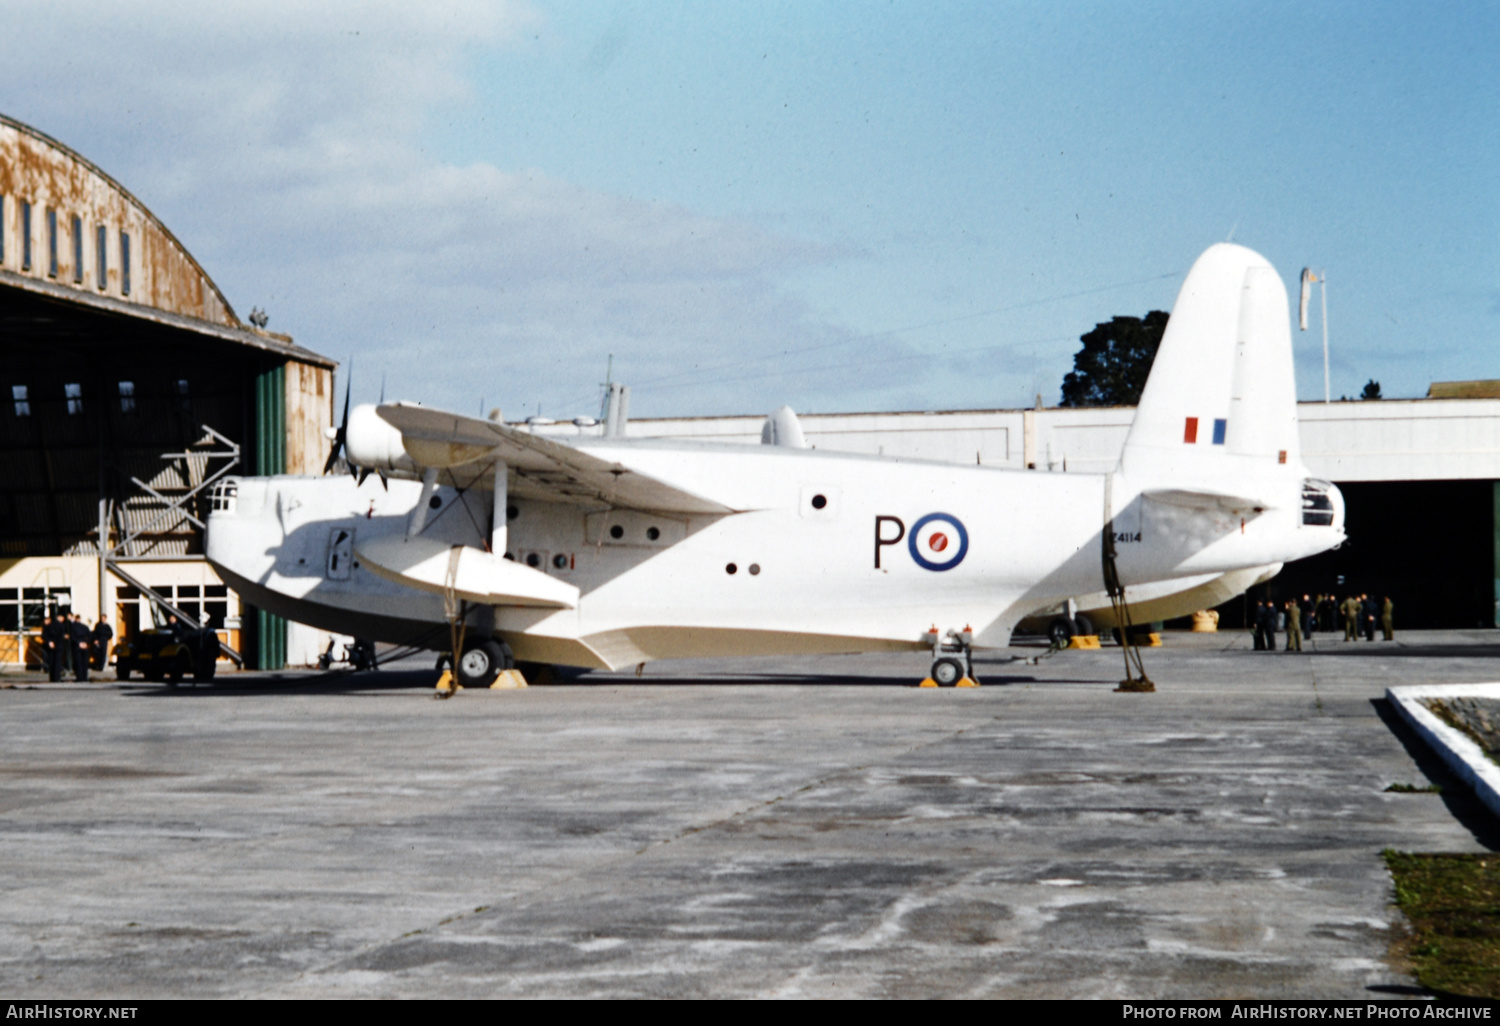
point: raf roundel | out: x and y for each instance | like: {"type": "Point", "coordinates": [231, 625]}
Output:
{"type": "Point", "coordinates": [938, 542]}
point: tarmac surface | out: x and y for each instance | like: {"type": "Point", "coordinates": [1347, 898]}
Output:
{"type": "Point", "coordinates": [760, 828]}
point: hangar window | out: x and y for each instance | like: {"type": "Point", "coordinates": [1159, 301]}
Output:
{"type": "Point", "coordinates": [51, 243]}
{"type": "Point", "coordinates": [74, 394]}
{"type": "Point", "coordinates": [184, 399]}
{"type": "Point", "coordinates": [127, 396]}
{"type": "Point", "coordinates": [22, 400]}
{"type": "Point", "coordinates": [77, 250]}
{"type": "Point", "coordinates": [25, 236]}
{"type": "Point", "coordinates": [124, 263]}
{"type": "Point", "coordinates": [101, 256]}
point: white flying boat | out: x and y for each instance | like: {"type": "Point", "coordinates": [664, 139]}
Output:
{"type": "Point", "coordinates": [605, 552]}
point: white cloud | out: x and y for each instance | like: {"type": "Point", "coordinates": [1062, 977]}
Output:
{"type": "Point", "coordinates": [284, 144]}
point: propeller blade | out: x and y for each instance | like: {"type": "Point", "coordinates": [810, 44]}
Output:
{"type": "Point", "coordinates": [360, 474]}
{"type": "Point", "coordinates": [337, 449]}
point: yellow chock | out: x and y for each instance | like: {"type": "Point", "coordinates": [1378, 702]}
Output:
{"type": "Point", "coordinates": [1153, 640]}
{"type": "Point", "coordinates": [928, 682]}
{"type": "Point", "coordinates": [1084, 641]}
{"type": "Point", "coordinates": [967, 683]}
{"type": "Point", "coordinates": [447, 684]}
{"type": "Point", "coordinates": [507, 680]}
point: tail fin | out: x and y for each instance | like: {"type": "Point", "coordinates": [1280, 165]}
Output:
{"type": "Point", "coordinates": [1220, 406]}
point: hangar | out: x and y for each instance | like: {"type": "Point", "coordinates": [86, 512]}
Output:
{"type": "Point", "coordinates": [1421, 478]}
{"type": "Point", "coordinates": [128, 385]}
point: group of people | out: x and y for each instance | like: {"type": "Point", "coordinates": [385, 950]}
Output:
{"type": "Point", "coordinates": [1356, 614]}
{"type": "Point", "coordinates": [70, 644]}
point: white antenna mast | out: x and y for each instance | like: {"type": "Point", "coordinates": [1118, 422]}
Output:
{"type": "Point", "coordinates": [1308, 277]}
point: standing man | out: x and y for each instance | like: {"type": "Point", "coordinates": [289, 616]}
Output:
{"type": "Point", "coordinates": [1307, 616]}
{"type": "Point", "coordinates": [1350, 611]}
{"type": "Point", "coordinates": [1268, 626]}
{"type": "Point", "coordinates": [103, 635]}
{"type": "Point", "coordinates": [1367, 614]}
{"type": "Point", "coordinates": [54, 646]}
{"type": "Point", "coordinates": [1256, 616]}
{"type": "Point", "coordinates": [1293, 627]}
{"type": "Point", "coordinates": [80, 645]}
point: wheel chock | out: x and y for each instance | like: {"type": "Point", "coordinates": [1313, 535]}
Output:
{"type": "Point", "coordinates": [928, 682]}
{"type": "Point", "coordinates": [508, 680]}
{"type": "Point", "coordinates": [967, 683]}
{"type": "Point", "coordinates": [1084, 641]}
{"type": "Point", "coordinates": [447, 684]}
{"type": "Point", "coordinates": [1154, 640]}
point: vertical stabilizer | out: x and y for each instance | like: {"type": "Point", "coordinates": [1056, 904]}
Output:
{"type": "Point", "coordinates": [1220, 405]}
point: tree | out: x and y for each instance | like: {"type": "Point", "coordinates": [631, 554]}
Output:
{"type": "Point", "coordinates": [1111, 368]}
{"type": "Point", "coordinates": [1372, 390]}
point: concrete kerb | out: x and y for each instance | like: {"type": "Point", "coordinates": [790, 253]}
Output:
{"type": "Point", "coordinates": [1457, 750]}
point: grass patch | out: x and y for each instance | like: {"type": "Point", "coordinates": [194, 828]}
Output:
{"type": "Point", "coordinates": [1414, 789]}
{"type": "Point", "coordinates": [1453, 905]}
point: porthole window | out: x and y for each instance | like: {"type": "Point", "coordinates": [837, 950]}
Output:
{"type": "Point", "coordinates": [819, 501]}
{"type": "Point", "coordinates": [754, 569]}
{"type": "Point", "coordinates": [560, 561]}
{"type": "Point", "coordinates": [731, 569]}
{"type": "Point", "coordinates": [653, 533]}
{"type": "Point", "coordinates": [435, 501]}
{"type": "Point", "coordinates": [532, 559]}
{"type": "Point", "coordinates": [511, 512]}
{"type": "Point", "coordinates": [617, 531]}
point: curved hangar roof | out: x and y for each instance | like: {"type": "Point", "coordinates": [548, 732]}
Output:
{"type": "Point", "coordinates": [69, 230]}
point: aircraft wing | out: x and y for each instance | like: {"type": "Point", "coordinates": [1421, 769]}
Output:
{"type": "Point", "coordinates": [545, 469]}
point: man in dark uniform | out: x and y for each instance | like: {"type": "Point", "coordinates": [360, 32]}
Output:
{"type": "Point", "coordinates": [81, 646]}
{"type": "Point", "coordinates": [1268, 626]}
{"type": "Point", "coordinates": [1257, 620]}
{"type": "Point", "coordinates": [102, 636]}
{"type": "Point", "coordinates": [54, 646]}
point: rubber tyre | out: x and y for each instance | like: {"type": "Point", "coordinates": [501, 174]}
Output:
{"type": "Point", "coordinates": [122, 673]}
{"type": "Point", "coordinates": [1060, 632]}
{"type": "Point", "coordinates": [481, 663]}
{"type": "Point", "coordinates": [1082, 625]}
{"type": "Point", "coordinates": [207, 664]}
{"type": "Point", "coordinates": [947, 672]}
{"type": "Point", "coordinates": [182, 666]}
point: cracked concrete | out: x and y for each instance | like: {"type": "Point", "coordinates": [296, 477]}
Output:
{"type": "Point", "coordinates": [772, 827]}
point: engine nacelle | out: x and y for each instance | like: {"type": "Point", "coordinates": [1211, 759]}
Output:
{"type": "Point", "coordinates": [374, 444]}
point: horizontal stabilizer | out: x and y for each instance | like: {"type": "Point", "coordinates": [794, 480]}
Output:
{"type": "Point", "coordinates": [544, 468]}
{"type": "Point", "coordinates": [1211, 500]}
{"type": "Point", "coordinates": [428, 564]}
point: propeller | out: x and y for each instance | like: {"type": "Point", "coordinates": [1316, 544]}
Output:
{"type": "Point", "coordinates": [341, 435]}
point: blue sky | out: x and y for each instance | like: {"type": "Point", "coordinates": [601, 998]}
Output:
{"type": "Point", "coordinates": [842, 206]}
